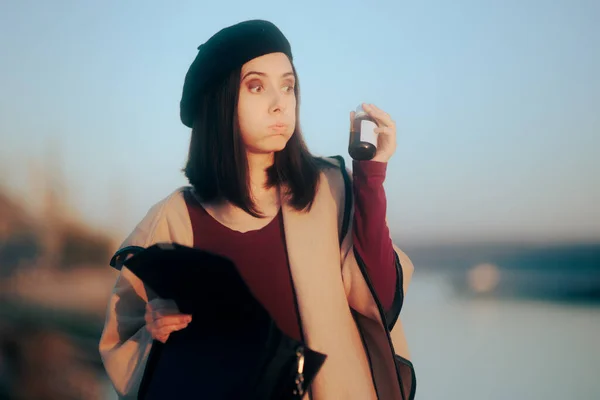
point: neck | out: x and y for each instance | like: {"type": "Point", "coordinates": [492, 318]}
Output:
{"type": "Point", "coordinates": [257, 170]}
{"type": "Point", "coordinates": [266, 199]}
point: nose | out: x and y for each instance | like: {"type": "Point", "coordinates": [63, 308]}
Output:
{"type": "Point", "coordinates": [277, 104]}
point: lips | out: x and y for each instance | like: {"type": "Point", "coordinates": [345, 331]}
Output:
{"type": "Point", "coordinates": [278, 127]}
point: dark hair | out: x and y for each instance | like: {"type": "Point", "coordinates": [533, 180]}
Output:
{"type": "Point", "coordinates": [217, 165]}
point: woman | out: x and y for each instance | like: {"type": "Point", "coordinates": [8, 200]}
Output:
{"type": "Point", "coordinates": [312, 247]}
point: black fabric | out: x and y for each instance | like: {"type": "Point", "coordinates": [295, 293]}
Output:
{"type": "Point", "coordinates": [391, 316]}
{"type": "Point", "coordinates": [117, 259]}
{"type": "Point", "coordinates": [192, 278]}
{"type": "Point", "coordinates": [278, 373]}
{"type": "Point", "coordinates": [408, 377]}
{"type": "Point", "coordinates": [232, 349]}
{"type": "Point", "coordinates": [347, 198]}
{"type": "Point", "coordinates": [228, 49]}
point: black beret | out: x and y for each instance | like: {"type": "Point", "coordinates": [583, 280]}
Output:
{"type": "Point", "coordinates": [226, 50]}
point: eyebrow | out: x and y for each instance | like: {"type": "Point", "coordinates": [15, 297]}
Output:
{"type": "Point", "coordinates": [290, 73]}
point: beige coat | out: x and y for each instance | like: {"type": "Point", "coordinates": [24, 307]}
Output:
{"type": "Point", "coordinates": [328, 283]}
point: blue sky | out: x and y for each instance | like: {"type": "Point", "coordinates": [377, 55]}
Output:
{"type": "Point", "coordinates": [497, 104]}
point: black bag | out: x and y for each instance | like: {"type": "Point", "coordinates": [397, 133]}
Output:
{"type": "Point", "coordinates": [232, 349]}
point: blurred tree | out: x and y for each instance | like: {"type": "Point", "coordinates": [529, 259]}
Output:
{"type": "Point", "coordinates": [81, 247]}
{"type": "Point", "coordinates": [19, 243]}
{"type": "Point", "coordinates": [18, 252]}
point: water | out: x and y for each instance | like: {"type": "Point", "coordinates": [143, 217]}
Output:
{"type": "Point", "coordinates": [499, 349]}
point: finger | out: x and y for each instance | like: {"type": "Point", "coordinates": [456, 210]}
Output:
{"type": "Point", "coordinates": [168, 322]}
{"type": "Point", "coordinates": [166, 330]}
{"type": "Point", "coordinates": [162, 338]}
{"type": "Point", "coordinates": [385, 130]}
{"type": "Point", "coordinates": [381, 116]}
{"type": "Point", "coordinates": [154, 323]}
{"type": "Point", "coordinates": [378, 110]}
{"type": "Point", "coordinates": [153, 314]}
{"type": "Point", "coordinates": [172, 320]}
{"type": "Point", "coordinates": [352, 114]}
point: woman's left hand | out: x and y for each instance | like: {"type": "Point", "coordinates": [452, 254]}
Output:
{"type": "Point", "coordinates": [386, 132]}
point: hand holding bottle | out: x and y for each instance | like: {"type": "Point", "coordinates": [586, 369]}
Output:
{"type": "Point", "coordinates": [372, 134]}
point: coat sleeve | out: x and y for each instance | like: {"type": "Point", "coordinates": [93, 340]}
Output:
{"type": "Point", "coordinates": [359, 289]}
{"type": "Point", "coordinates": [370, 234]}
{"type": "Point", "coordinates": [125, 342]}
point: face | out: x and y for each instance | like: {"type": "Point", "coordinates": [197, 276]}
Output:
{"type": "Point", "coordinates": [267, 103]}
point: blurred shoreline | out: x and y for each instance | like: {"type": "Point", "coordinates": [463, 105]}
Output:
{"type": "Point", "coordinates": [557, 272]}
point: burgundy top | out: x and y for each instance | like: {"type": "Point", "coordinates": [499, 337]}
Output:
{"type": "Point", "coordinates": [261, 256]}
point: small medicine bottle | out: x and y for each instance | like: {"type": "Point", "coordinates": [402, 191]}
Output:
{"type": "Point", "coordinates": [363, 139]}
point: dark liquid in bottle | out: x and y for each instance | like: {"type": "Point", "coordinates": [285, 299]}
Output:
{"type": "Point", "coordinates": [359, 150]}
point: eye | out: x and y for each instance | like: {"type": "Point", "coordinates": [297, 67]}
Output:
{"type": "Point", "coordinates": [256, 88]}
{"type": "Point", "coordinates": [288, 85]}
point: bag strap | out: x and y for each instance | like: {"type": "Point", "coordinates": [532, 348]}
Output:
{"type": "Point", "coordinates": [347, 198]}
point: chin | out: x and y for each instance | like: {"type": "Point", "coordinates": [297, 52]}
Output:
{"type": "Point", "coordinates": [274, 143]}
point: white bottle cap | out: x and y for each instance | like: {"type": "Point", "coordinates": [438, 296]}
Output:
{"type": "Point", "coordinates": [360, 110]}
